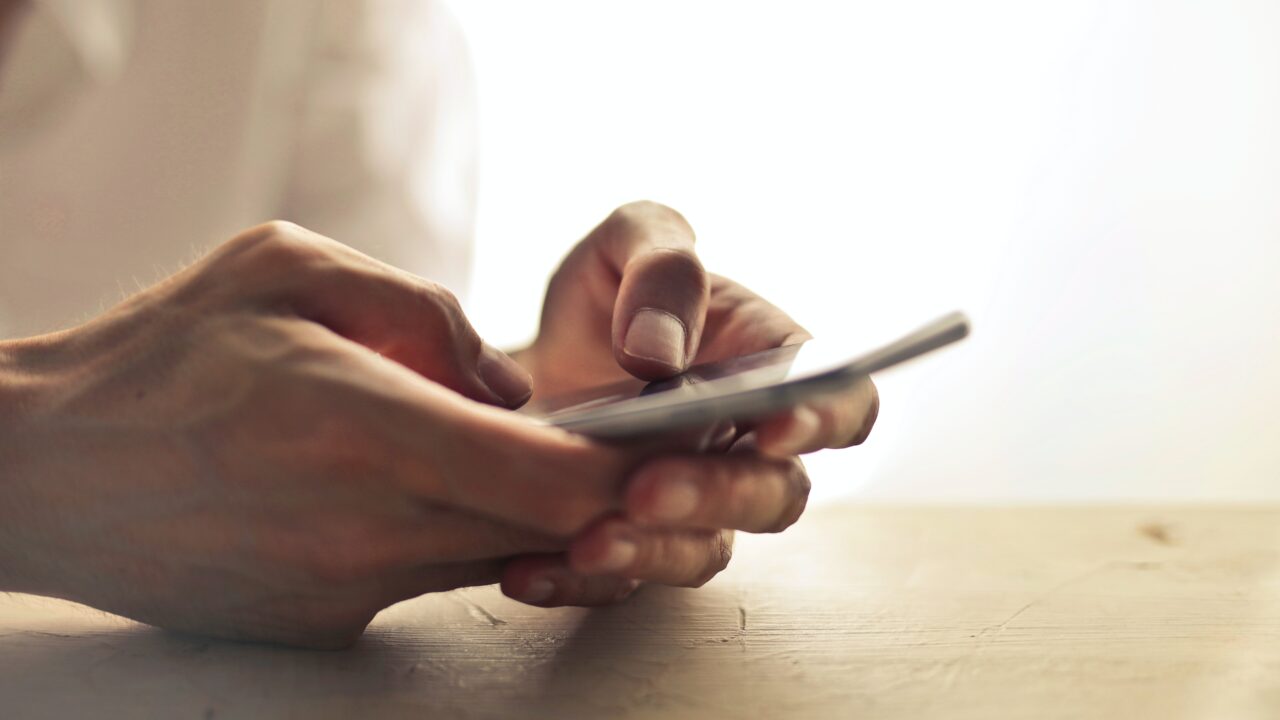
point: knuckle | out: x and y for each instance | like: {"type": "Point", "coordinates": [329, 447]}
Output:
{"type": "Point", "coordinates": [265, 232]}
{"type": "Point", "coordinates": [442, 297]}
{"type": "Point", "coordinates": [444, 311]}
{"type": "Point", "coordinates": [257, 256]}
{"type": "Point", "coordinates": [631, 214]}
{"type": "Point", "coordinates": [279, 243]}
{"type": "Point", "coordinates": [279, 229]}
{"type": "Point", "coordinates": [638, 215]}
{"type": "Point", "coordinates": [639, 211]}
{"type": "Point", "coordinates": [274, 233]}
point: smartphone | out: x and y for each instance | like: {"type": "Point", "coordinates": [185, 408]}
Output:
{"type": "Point", "coordinates": [738, 389]}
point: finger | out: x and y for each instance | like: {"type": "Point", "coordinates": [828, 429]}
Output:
{"type": "Point", "coordinates": [417, 323]}
{"type": "Point", "coordinates": [740, 322]}
{"type": "Point", "coordinates": [663, 291]}
{"type": "Point", "coordinates": [684, 557]}
{"type": "Point", "coordinates": [743, 491]}
{"type": "Point", "coordinates": [424, 579]}
{"type": "Point", "coordinates": [718, 438]}
{"type": "Point", "coordinates": [447, 450]}
{"type": "Point", "coordinates": [548, 581]}
{"type": "Point", "coordinates": [839, 421]}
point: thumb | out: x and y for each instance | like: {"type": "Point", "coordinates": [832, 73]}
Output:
{"type": "Point", "coordinates": [663, 291]}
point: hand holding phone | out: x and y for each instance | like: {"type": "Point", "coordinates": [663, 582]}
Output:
{"type": "Point", "coordinates": [679, 506]}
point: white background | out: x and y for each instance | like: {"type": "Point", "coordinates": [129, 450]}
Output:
{"type": "Point", "coordinates": [1096, 183]}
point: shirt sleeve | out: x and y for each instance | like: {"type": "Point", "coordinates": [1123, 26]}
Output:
{"type": "Point", "coordinates": [54, 53]}
{"type": "Point", "coordinates": [384, 151]}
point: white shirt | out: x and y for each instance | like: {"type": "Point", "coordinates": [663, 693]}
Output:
{"type": "Point", "coordinates": [136, 134]}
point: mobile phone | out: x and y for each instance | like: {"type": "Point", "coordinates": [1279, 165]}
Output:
{"type": "Point", "coordinates": [738, 389]}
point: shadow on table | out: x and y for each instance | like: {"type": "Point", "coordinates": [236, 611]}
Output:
{"type": "Point", "coordinates": [566, 663]}
{"type": "Point", "coordinates": [139, 671]}
{"type": "Point", "coordinates": [639, 656]}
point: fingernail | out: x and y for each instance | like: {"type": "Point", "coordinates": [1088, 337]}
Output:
{"type": "Point", "coordinates": [503, 376]}
{"type": "Point", "coordinates": [619, 556]}
{"type": "Point", "coordinates": [805, 424]}
{"type": "Point", "coordinates": [538, 591]}
{"type": "Point", "coordinates": [656, 335]}
{"type": "Point", "coordinates": [676, 500]}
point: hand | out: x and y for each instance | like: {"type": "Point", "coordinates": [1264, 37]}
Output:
{"type": "Point", "coordinates": [252, 450]}
{"type": "Point", "coordinates": [633, 298]}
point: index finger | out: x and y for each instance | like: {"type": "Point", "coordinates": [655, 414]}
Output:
{"type": "Point", "coordinates": [663, 290]}
{"type": "Point", "coordinates": [446, 450]}
{"type": "Point", "coordinates": [836, 421]}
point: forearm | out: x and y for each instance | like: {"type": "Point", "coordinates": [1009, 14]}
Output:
{"type": "Point", "coordinates": [23, 382]}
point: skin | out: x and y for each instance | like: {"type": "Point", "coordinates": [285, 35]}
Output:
{"type": "Point", "coordinates": [642, 256]}
{"type": "Point", "coordinates": [285, 438]}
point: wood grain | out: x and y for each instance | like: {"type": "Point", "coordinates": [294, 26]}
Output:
{"type": "Point", "coordinates": [858, 612]}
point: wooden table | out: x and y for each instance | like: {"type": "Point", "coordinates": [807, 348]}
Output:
{"type": "Point", "coordinates": [857, 612]}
